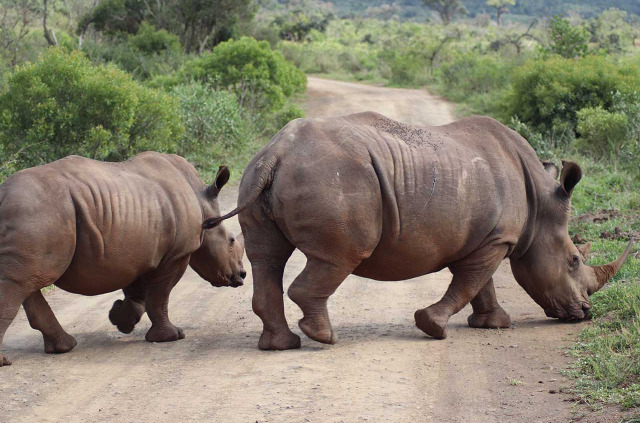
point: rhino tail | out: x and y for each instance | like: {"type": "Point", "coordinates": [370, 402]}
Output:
{"type": "Point", "coordinates": [262, 177]}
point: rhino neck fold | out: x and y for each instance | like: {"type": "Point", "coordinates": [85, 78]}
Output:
{"type": "Point", "coordinates": [528, 231]}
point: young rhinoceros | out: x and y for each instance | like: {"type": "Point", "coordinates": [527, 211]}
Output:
{"type": "Point", "coordinates": [367, 195]}
{"type": "Point", "coordinates": [91, 227]}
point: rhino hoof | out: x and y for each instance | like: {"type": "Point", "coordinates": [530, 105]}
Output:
{"type": "Point", "coordinates": [4, 361]}
{"type": "Point", "coordinates": [125, 315]}
{"type": "Point", "coordinates": [431, 325]}
{"type": "Point", "coordinates": [318, 329]}
{"type": "Point", "coordinates": [60, 344]}
{"type": "Point", "coordinates": [284, 340]}
{"type": "Point", "coordinates": [164, 334]}
{"type": "Point", "coordinates": [495, 320]}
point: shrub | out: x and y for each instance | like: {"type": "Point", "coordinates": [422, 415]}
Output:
{"type": "Point", "coordinates": [213, 121]}
{"type": "Point", "coordinates": [547, 94]}
{"type": "Point", "coordinates": [566, 40]}
{"type": "Point", "coordinates": [145, 54]}
{"type": "Point", "coordinates": [62, 104]}
{"type": "Point", "coordinates": [603, 133]}
{"type": "Point", "coordinates": [261, 78]}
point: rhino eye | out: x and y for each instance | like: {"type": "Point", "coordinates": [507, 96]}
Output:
{"type": "Point", "coordinates": [232, 240]}
{"type": "Point", "coordinates": [574, 262]}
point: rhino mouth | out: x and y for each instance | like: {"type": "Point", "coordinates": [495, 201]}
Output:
{"type": "Point", "coordinates": [574, 312]}
{"type": "Point", "coordinates": [233, 281]}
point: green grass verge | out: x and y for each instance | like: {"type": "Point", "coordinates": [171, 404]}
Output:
{"type": "Point", "coordinates": [607, 354]}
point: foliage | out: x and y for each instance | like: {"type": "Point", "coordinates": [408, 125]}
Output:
{"type": "Point", "coordinates": [16, 18]}
{"type": "Point", "coordinates": [547, 94]}
{"type": "Point", "coordinates": [296, 25]}
{"type": "Point", "coordinates": [63, 105]}
{"type": "Point", "coordinates": [261, 78]}
{"type": "Point", "coordinates": [198, 23]}
{"type": "Point", "coordinates": [215, 128]}
{"type": "Point", "coordinates": [612, 31]}
{"type": "Point", "coordinates": [501, 7]}
{"type": "Point", "coordinates": [602, 133]}
{"type": "Point", "coordinates": [145, 54]}
{"type": "Point", "coordinates": [567, 40]}
{"type": "Point", "coordinates": [446, 9]}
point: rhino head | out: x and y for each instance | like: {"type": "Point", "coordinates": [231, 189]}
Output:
{"type": "Point", "coordinates": [219, 258]}
{"type": "Point", "coordinates": [553, 270]}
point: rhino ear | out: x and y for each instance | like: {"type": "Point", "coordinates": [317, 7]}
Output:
{"type": "Point", "coordinates": [221, 179]}
{"type": "Point", "coordinates": [552, 169]}
{"type": "Point", "coordinates": [570, 176]}
{"type": "Point", "coordinates": [584, 251]}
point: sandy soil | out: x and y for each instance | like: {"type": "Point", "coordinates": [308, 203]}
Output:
{"type": "Point", "coordinates": [382, 369]}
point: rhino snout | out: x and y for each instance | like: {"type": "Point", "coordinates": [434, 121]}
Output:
{"type": "Point", "coordinates": [576, 311]}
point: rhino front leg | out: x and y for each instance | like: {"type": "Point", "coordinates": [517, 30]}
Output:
{"type": "Point", "coordinates": [41, 318]}
{"type": "Point", "coordinates": [487, 313]}
{"type": "Point", "coordinates": [469, 278]}
{"type": "Point", "coordinates": [11, 295]}
{"type": "Point", "coordinates": [159, 286]}
{"type": "Point", "coordinates": [125, 314]}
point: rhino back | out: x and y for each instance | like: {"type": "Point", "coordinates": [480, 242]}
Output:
{"type": "Point", "coordinates": [443, 191]}
{"type": "Point", "coordinates": [128, 217]}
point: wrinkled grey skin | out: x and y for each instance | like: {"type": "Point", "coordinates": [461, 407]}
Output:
{"type": "Point", "coordinates": [367, 195]}
{"type": "Point", "coordinates": [91, 227]}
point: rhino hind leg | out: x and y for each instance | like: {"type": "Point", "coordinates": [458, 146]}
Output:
{"type": "Point", "coordinates": [158, 287]}
{"type": "Point", "coordinates": [125, 314]}
{"type": "Point", "coordinates": [41, 317]}
{"type": "Point", "coordinates": [311, 291]}
{"type": "Point", "coordinates": [11, 295]}
{"type": "Point", "coordinates": [487, 313]}
{"type": "Point", "coordinates": [469, 277]}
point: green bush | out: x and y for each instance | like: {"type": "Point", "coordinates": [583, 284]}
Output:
{"type": "Point", "coordinates": [603, 133]}
{"type": "Point", "coordinates": [547, 94]}
{"type": "Point", "coordinates": [145, 54]}
{"type": "Point", "coordinates": [566, 40]}
{"type": "Point", "coordinates": [215, 129]}
{"type": "Point", "coordinates": [261, 78]}
{"type": "Point", "coordinates": [62, 104]}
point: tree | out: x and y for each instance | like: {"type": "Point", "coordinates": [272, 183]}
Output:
{"type": "Point", "coordinates": [198, 23]}
{"type": "Point", "coordinates": [566, 40]}
{"type": "Point", "coordinates": [446, 9]}
{"type": "Point", "coordinates": [502, 7]}
{"type": "Point", "coordinates": [16, 19]}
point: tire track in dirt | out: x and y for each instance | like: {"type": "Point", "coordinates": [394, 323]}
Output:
{"type": "Point", "coordinates": [382, 369]}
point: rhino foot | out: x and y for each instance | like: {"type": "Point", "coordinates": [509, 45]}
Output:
{"type": "Point", "coordinates": [60, 344]}
{"type": "Point", "coordinates": [318, 328]}
{"type": "Point", "coordinates": [283, 340]}
{"type": "Point", "coordinates": [494, 320]}
{"type": "Point", "coordinates": [125, 315]}
{"type": "Point", "coordinates": [431, 323]}
{"type": "Point", "coordinates": [164, 334]}
{"type": "Point", "coordinates": [4, 361]}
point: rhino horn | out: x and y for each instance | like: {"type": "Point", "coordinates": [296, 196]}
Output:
{"type": "Point", "coordinates": [605, 272]}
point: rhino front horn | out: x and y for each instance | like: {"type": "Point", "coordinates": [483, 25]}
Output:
{"type": "Point", "coordinates": [605, 272]}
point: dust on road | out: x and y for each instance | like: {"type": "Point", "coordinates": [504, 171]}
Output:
{"type": "Point", "coordinates": [382, 369]}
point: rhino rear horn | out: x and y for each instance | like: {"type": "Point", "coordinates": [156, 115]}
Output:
{"type": "Point", "coordinates": [605, 272]}
{"type": "Point", "coordinates": [551, 168]}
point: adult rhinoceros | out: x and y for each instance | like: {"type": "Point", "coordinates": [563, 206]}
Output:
{"type": "Point", "coordinates": [91, 227]}
{"type": "Point", "coordinates": [367, 195]}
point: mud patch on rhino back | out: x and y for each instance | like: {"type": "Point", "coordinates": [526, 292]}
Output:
{"type": "Point", "coordinates": [412, 136]}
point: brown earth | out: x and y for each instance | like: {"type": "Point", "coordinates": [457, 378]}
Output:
{"type": "Point", "coordinates": [382, 369]}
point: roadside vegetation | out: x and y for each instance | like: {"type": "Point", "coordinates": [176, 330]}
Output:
{"type": "Point", "coordinates": [569, 84]}
{"type": "Point", "coordinates": [110, 78]}
{"type": "Point", "coordinates": [214, 80]}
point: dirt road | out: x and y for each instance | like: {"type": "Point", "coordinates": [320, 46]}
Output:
{"type": "Point", "coordinates": [382, 369]}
